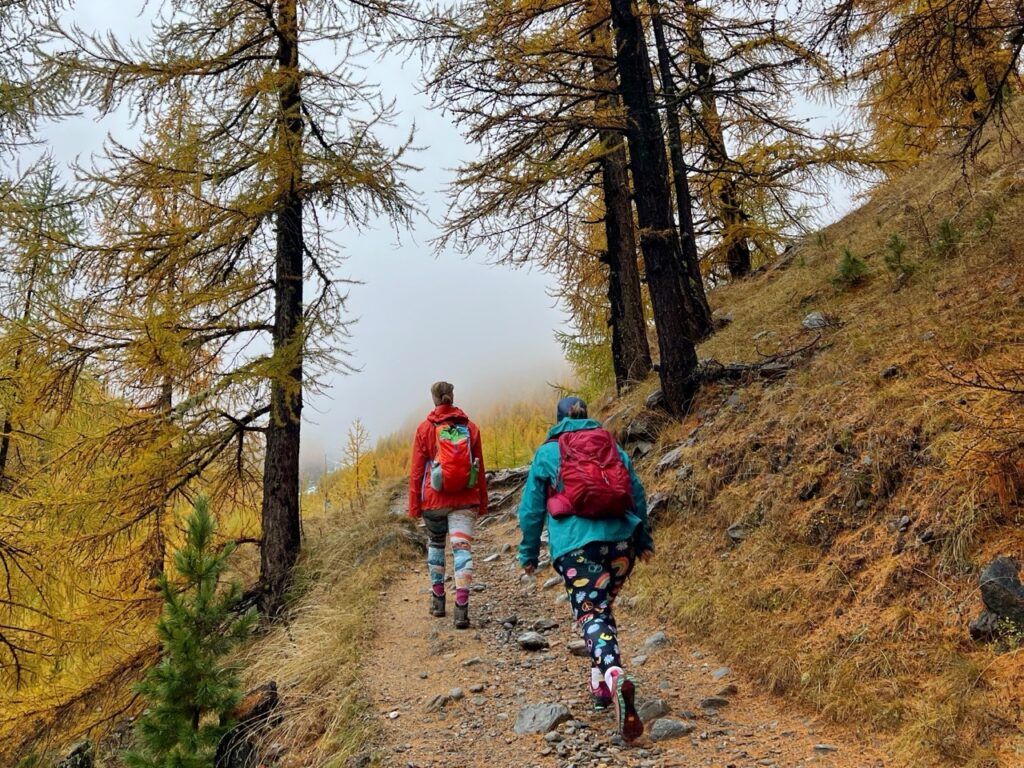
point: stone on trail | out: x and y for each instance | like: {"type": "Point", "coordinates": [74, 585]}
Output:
{"type": "Point", "coordinates": [721, 672]}
{"type": "Point", "coordinates": [638, 661]}
{"type": "Point", "coordinates": [540, 718]}
{"type": "Point", "coordinates": [657, 640]}
{"type": "Point", "coordinates": [825, 748]}
{"type": "Point", "coordinates": [578, 648]}
{"type": "Point", "coordinates": [554, 581]}
{"type": "Point", "coordinates": [714, 702]}
{"type": "Point", "coordinates": [729, 690]}
{"type": "Point", "coordinates": [532, 641]}
{"type": "Point", "coordinates": [670, 728]}
{"type": "Point", "coordinates": [438, 703]}
{"type": "Point", "coordinates": [505, 548]}
{"type": "Point", "coordinates": [491, 558]}
{"type": "Point", "coordinates": [552, 737]}
{"type": "Point", "coordinates": [472, 662]}
{"type": "Point", "coordinates": [652, 709]}
{"type": "Point", "coordinates": [456, 694]}
{"type": "Point", "coordinates": [543, 625]}
{"type": "Point", "coordinates": [477, 688]}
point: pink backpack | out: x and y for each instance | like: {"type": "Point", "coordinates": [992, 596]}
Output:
{"type": "Point", "coordinates": [594, 479]}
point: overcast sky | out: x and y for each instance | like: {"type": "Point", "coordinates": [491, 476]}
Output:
{"type": "Point", "coordinates": [501, 343]}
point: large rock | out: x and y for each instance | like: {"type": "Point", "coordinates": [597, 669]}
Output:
{"type": "Point", "coordinates": [670, 728]}
{"type": "Point", "coordinates": [80, 756]}
{"type": "Point", "coordinates": [652, 709]}
{"type": "Point", "coordinates": [1002, 590]}
{"type": "Point", "coordinates": [541, 718]}
{"type": "Point", "coordinates": [670, 460]}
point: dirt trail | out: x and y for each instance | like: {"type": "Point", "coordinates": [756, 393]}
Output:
{"type": "Point", "coordinates": [417, 658]}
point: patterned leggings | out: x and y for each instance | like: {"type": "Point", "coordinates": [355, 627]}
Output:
{"type": "Point", "coordinates": [594, 575]}
{"type": "Point", "coordinates": [457, 525]}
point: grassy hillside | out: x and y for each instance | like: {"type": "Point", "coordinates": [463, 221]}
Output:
{"type": "Point", "coordinates": [871, 483]}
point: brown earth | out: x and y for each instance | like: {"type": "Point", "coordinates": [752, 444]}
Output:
{"type": "Point", "coordinates": [416, 658]}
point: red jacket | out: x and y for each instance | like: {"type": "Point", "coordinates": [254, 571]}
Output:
{"type": "Point", "coordinates": [421, 494]}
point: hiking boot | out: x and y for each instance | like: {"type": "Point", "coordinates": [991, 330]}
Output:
{"type": "Point", "coordinates": [462, 616]}
{"type": "Point", "coordinates": [600, 696]}
{"type": "Point", "coordinates": [437, 605]}
{"type": "Point", "coordinates": [623, 691]}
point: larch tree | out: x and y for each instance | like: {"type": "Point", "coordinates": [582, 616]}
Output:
{"type": "Point", "coordinates": [681, 314]}
{"type": "Point", "coordinates": [533, 84]}
{"type": "Point", "coordinates": [933, 73]}
{"type": "Point", "coordinates": [270, 145]}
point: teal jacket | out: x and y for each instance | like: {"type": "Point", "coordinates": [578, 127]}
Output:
{"type": "Point", "coordinates": [568, 533]}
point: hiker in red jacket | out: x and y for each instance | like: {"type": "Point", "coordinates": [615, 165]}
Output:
{"type": "Point", "coordinates": [448, 489]}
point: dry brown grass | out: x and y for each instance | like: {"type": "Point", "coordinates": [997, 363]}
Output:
{"type": "Point", "coordinates": [826, 602]}
{"type": "Point", "coordinates": [315, 658]}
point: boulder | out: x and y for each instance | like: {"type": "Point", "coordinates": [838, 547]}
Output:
{"type": "Point", "coordinates": [541, 718]}
{"type": "Point", "coordinates": [578, 648]}
{"type": "Point", "coordinates": [1002, 591]}
{"type": "Point", "coordinates": [669, 728]}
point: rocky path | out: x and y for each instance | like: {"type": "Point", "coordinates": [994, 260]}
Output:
{"type": "Point", "coordinates": [449, 699]}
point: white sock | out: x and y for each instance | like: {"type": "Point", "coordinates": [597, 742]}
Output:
{"type": "Point", "coordinates": [595, 677]}
{"type": "Point", "coordinates": [611, 674]}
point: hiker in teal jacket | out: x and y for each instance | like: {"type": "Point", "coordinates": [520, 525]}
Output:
{"type": "Point", "coordinates": [593, 556]}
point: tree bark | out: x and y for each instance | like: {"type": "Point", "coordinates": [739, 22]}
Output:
{"type": "Point", "coordinates": [730, 211]}
{"type": "Point", "coordinates": [631, 352]}
{"type": "Point", "coordinates": [673, 294]}
{"type": "Point", "coordinates": [680, 177]}
{"type": "Point", "coordinates": [280, 512]}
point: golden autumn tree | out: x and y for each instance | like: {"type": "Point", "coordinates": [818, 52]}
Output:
{"type": "Point", "coordinates": [534, 85]}
{"type": "Point", "coordinates": [268, 143]}
{"type": "Point", "coordinates": [735, 74]}
{"type": "Point", "coordinates": [932, 73]}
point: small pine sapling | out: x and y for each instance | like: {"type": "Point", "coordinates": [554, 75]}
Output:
{"type": "Point", "coordinates": [851, 272]}
{"type": "Point", "coordinates": [192, 690]}
{"type": "Point", "coordinates": [896, 246]}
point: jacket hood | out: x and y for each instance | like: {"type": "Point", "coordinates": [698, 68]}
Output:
{"type": "Point", "coordinates": [572, 425]}
{"type": "Point", "coordinates": [447, 413]}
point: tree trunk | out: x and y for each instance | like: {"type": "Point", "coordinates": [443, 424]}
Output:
{"type": "Point", "coordinates": [680, 178]}
{"type": "Point", "coordinates": [730, 212]}
{"type": "Point", "coordinates": [676, 307]}
{"type": "Point", "coordinates": [280, 513]}
{"type": "Point", "coordinates": [631, 352]}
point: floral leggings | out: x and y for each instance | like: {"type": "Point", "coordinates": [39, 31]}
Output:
{"type": "Point", "coordinates": [594, 575]}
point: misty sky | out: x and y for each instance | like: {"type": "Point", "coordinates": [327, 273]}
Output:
{"type": "Point", "coordinates": [500, 343]}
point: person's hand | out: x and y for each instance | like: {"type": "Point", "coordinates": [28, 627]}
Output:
{"type": "Point", "coordinates": [529, 569]}
{"type": "Point", "coordinates": [645, 556]}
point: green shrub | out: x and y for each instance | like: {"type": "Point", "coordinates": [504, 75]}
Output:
{"type": "Point", "coordinates": [895, 247]}
{"type": "Point", "coordinates": [190, 692]}
{"type": "Point", "coordinates": [947, 239]}
{"type": "Point", "coordinates": [851, 272]}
